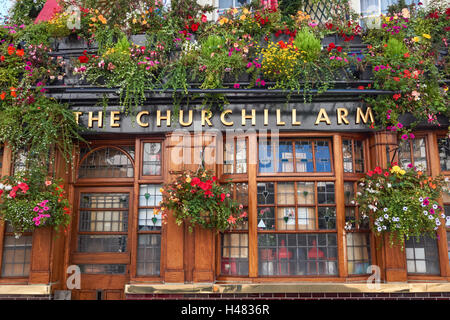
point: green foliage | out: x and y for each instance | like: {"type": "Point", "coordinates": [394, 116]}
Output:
{"type": "Point", "coordinates": [307, 42]}
{"type": "Point", "coordinates": [402, 203]}
{"type": "Point", "coordinates": [197, 199]}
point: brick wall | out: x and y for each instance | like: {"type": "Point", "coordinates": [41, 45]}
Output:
{"type": "Point", "coordinates": [295, 296]}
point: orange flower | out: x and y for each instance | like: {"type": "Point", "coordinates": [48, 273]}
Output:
{"type": "Point", "coordinates": [419, 173]}
{"type": "Point", "coordinates": [11, 50]}
{"type": "Point", "coordinates": [13, 92]}
{"type": "Point", "coordinates": [20, 52]}
{"type": "Point", "coordinates": [2, 95]}
{"type": "Point", "coordinates": [432, 186]}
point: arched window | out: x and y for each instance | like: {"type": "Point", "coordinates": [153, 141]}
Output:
{"type": "Point", "coordinates": [106, 162]}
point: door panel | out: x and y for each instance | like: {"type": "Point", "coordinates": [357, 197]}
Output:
{"type": "Point", "coordinates": [100, 243]}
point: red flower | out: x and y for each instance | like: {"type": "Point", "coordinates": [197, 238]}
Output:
{"type": "Point", "coordinates": [282, 44]}
{"type": "Point", "coordinates": [396, 79]}
{"type": "Point", "coordinates": [20, 52]}
{"type": "Point", "coordinates": [3, 95]}
{"type": "Point", "coordinates": [386, 173]}
{"type": "Point", "coordinates": [339, 48]}
{"type": "Point", "coordinates": [195, 181]}
{"type": "Point", "coordinates": [83, 59]}
{"type": "Point", "coordinates": [331, 46]}
{"type": "Point", "coordinates": [370, 173]}
{"type": "Point", "coordinates": [2, 58]}
{"type": "Point", "coordinates": [396, 96]}
{"type": "Point", "coordinates": [222, 197]}
{"type": "Point", "coordinates": [11, 50]}
{"type": "Point", "coordinates": [378, 170]}
{"type": "Point", "coordinates": [361, 87]}
{"type": "Point", "coordinates": [194, 27]}
{"type": "Point", "coordinates": [23, 186]}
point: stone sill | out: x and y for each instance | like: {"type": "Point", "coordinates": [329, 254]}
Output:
{"type": "Point", "coordinates": [32, 289]}
{"type": "Point", "coordinates": [285, 288]}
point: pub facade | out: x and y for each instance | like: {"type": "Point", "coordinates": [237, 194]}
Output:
{"type": "Point", "coordinates": [294, 166]}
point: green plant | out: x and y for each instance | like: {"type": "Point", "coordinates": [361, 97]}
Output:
{"type": "Point", "coordinates": [311, 46]}
{"type": "Point", "coordinates": [31, 201]}
{"type": "Point", "coordinates": [197, 199]}
{"type": "Point", "coordinates": [403, 203]}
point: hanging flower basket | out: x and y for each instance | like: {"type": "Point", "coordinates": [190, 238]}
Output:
{"type": "Point", "coordinates": [402, 203]}
{"type": "Point", "coordinates": [197, 199]}
{"type": "Point", "coordinates": [28, 203]}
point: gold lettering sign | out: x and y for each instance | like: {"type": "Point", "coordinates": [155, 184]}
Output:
{"type": "Point", "coordinates": [245, 117]}
{"type": "Point", "coordinates": [342, 114]}
{"type": "Point", "coordinates": [181, 120]}
{"type": "Point", "coordinates": [322, 116]}
{"type": "Point", "coordinates": [279, 122]}
{"type": "Point", "coordinates": [77, 115]}
{"type": "Point", "coordinates": [139, 117]}
{"type": "Point", "coordinates": [294, 118]}
{"type": "Point", "coordinates": [266, 117]}
{"type": "Point", "coordinates": [113, 119]}
{"type": "Point", "coordinates": [206, 115]}
{"type": "Point", "coordinates": [99, 119]}
{"type": "Point", "coordinates": [159, 118]}
{"type": "Point", "coordinates": [222, 118]}
{"type": "Point", "coordinates": [365, 117]}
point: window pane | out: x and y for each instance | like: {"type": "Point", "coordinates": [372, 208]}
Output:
{"type": "Point", "coordinates": [149, 220]}
{"type": "Point", "coordinates": [286, 219]}
{"type": "Point", "coordinates": [228, 157]}
{"type": "Point", "coordinates": [104, 200]}
{"type": "Point", "coordinates": [106, 163]}
{"type": "Point", "coordinates": [241, 156]}
{"type": "Point", "coordinates": [266, 193]}
{"type": "Point", "coordinates": [151, 165]}
{"type": "Point", "coordinates": [285, 193]}
{"type": "Point", "coordinates": [266, 218]}
{"type": "Point", "coordinates": [225, 4]}
{"type": "Point", "coordinates": [306, 218]}
{"type": "Point", "coordinates": [149, 254]}
{"type": "Point", "coordinates": [358, 252]}
{"type": "Point", "coordinates": [149, 195]}
{"type": "Point", "coordinates": [108, 221]}
{"type": "Point", "coordinates": [323, 158]}
{"type": "Point", "coordinates": [325, 192]}
{"type": "Point", "coordinates": [102, 243]}
{"type": "Point", "coordinates": [444, 153]}
{"type": "Point", "coordinates": [420, 154]}
{"type": "Point", "coordinates": [422, 255]}
{"type": "Point", "coordinates": [16, 256]}
{"type": "Point", "coordinates": [348, 155]}
{"type": "Point", "coordinates": [327, 218]}
{"type": "Point", "coordinates": [305, 193]}
{"type": "Point", "coordinates": [297, 254]}
{"type": "Point", "coordinates": [103, 268]}
{"type": "Point", "coordinates": [349, 192]}
{"type": "Point", "coordinates": [285, 156]}
{"type": "Point", "coordinates": [234, 254]}
{"type": "Point", "coordinates": [359, 156]}
{"type": "Point", "coordinates": [265, 157]}
{"type": "Point", "coordinates": [404, 154]}
{"type": "Point", "coordinates": [304, 156]}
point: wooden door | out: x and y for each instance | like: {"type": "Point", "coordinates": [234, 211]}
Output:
{"type": "Point", "coordinates": [100, 243]}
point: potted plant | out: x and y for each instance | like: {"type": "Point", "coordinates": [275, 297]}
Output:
{"type": "Point", "coordinates": [401, 202]}
{"type": "Point", "coordinates": [30, 202]}
{"type": "Point", "coordinates": [196, 198]}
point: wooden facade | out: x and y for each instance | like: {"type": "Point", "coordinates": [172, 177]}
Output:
{"type": "Point", "coordinates": [204, 256]}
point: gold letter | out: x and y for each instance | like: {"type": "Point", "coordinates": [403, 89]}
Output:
{"type": "Point", "coordinates": [245, 117]}
{"type": "Point", "coordinates": [279, 122]}
{"type": "Point", "coordinates": [185, 124]}
{"type": "Point", "coordinates": [77, 115]}
{"type": "Point", "coordinates": [222, 118]}
{"type": "Point", "coordinates": [266, 117]}
{"type": "Point", "coordinates": [359, 115]}
{"type": "Point", "coordinates": [99, 119]}
{"type": "Point", "coordinates": [342, 114]}
{"type": "Point", "coordinates": [139, 121]}
{"type": "Point", "coordinates": [206, 115]}
{"type": "Point", "coordinates": [113, 119]}
{"type": "Point", "coordinates": [322, 116]}
{"type": "Point", "coordinates": [159, 118]}
{"type": "Point", "coordinates": [294, 118]}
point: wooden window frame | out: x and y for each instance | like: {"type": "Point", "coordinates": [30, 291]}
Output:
{"type": "Point", "coordinates": [150, 178]}
{"type": "Point", "coordinates": [411, 150]}
{"type": "Point", "coordinates": [293, 140]}
{"type": "Point", "coordinates": [221, 166]}
{"type": "Point", "coordinates": [365, 152]}
{"type": "Point", "coordinates": [442, 136]}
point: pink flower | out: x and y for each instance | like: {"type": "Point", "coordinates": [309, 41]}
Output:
{"type": "Point", "coordinates": [399, 125]}
{"type": "Point", "coordinates": [405, 137]}
{"type": "Point", "coordinates": [412, 136]}
{"type": "Point", "coordinates": [236, 86]}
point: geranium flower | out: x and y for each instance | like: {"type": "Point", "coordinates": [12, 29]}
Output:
{"type": "Point", "coordinates": [83, 59]}
{"type": "Point", "coordinates": [231, 219]}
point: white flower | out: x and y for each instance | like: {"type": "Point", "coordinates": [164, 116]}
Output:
{"type": "Point", "coordinates": [425, 212]}
{"type": "Point", "coordinates": [421, 199]}
{"type": "Point", "coordinates": [1, 186]}
{"type": "Point", "coordinates": [358, 193]}
{"type": "Point", "coordinates": [389, 185]}
{"type": "Point", "coordinates": [352, 202]}
{"type": "Point", "coordinates": [8, 188]}
{"type": "Point", "coordinates": [385, 209]}
{"type": "Point", "coordinates": [435, 206]}
{"type": "Point", "coordinates": [380, 219]}
{"type": "Point", "coordinates": [386, 216]}
{"type": "Point", "coordinates": [423, 205]}
{"type": "Point", "coordinates": [371, 207]}
{"type": "Point", "coordinates": [405, 208]}
{"type": "Point", "coordinates": [379, 229]}
{"type": "Point", "coordinates": [430, 217]}
{"type": "Point", "coordinates": [447, 217]}
{"type": "Point", "coordinates": [361, 184]}
{"type": "Point", "coordinates": [384, 227]}
{"type": "Point", "coordinates": [442, 216]}
{"type": "Point", "coordinates": [438, 223]}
